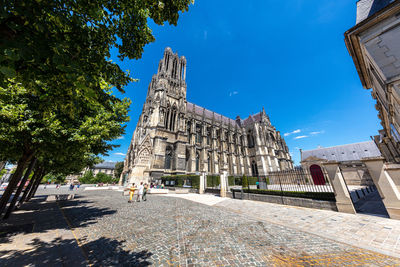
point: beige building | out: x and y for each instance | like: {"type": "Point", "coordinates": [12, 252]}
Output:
{"type": "Point", "coordinates": [354, 171]}
{"type": "Point", "coordinates": [374, 44]}
{"type": "Point", "coordinates": [174, 136]}
{"type": "Point", "coordinates": [106, 167]}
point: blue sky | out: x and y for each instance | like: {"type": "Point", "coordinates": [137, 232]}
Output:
{"type": "Point", "coordinates": [286, 56]}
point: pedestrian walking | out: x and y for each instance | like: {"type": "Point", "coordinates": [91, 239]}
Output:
{"type": "Point", "coordinates": [131, 192]}
{"type": "Point", "coordinates": [140, 192]}
{"type": "Point", "coordinates": [145, 188]}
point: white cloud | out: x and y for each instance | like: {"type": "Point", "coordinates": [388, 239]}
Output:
{"type": "Point", "coordinates": [233, 93]}
{"type": "Point", "coordinates": [119, 154]}
{"type": "Point", "coordinates": [317, 132]}
{"type": "Point", "coordinates": [294, 132]}
{"type": "Point", "coordinates": [301, 137]}
{"type": "Point", "coordinates": [120, 138]}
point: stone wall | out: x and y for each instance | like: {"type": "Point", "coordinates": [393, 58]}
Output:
{"type": "Point", "coordinates": [292, 201]}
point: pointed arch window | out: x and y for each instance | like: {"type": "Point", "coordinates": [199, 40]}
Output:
{"type": "Point", "coordinates": [209, 162]}
{"type": "Point", "coordinates": [174, 68]}
{"type": "Point", "coordinates": [197, 161]}
{"type": "Point", "coordinates": [254, 169]}
{"type": "Point", "coordinates": [250, 139]}
{"type": "Point", "coordinates": [168, 158]}
{"type": "Point", "coordinates": [198, 133]}
{"type": "Point", "coordinates": [208, 135]}
{"type": "Point", "coordinates": [187, 158]}
{"type": "Point", "coordinates": [189, 124]}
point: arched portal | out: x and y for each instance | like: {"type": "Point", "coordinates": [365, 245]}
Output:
{"type": "Point", "coordinates": [317, 175]}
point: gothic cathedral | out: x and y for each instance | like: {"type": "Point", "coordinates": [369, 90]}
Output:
{"type": "Point", "coordinates": [174, 136]}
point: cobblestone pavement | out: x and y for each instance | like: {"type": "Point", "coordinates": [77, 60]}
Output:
{"type": "Point", "coordinates": [370, 232]}
{"type": "Point", "coordinates": [167, 231]}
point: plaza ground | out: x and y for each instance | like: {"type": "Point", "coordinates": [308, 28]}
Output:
{"type": "Point", "coordinates": [100, 228]}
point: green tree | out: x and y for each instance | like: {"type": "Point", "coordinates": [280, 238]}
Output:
{"type": "Point", "coordinates": [119, 167]}
{"type": "Point", "coordinates": [63, 142]}
{"type": "Point", "coordinates": [55, 77]}
{"type": "Point", "coordinates": [57, 178]}
{"type": "Point", "coordinates": [2, 172]}
{"type": "Point", "coordinates": [103, 178]}
{"type": "Point", "coordinates": [67, 44]}
{"type": "Point", "coordinates": [87, 178]}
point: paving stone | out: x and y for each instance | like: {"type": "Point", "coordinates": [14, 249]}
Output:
{"type": "Point", "coordinates": [166, 231]}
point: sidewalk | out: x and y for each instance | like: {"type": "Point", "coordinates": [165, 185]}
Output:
{"type": "Point", "coordinates": [38, 235]}
{"type": "Point", "coordinates": [368, 232]}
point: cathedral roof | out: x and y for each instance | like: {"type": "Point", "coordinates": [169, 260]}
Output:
{"type": "Point", "coordinates": [105, 165]}
{"type": "Point", "coordinates": [350, 152]}
{"type": "Point", "coordinates": [190, 107]}
{"type": "Point", "coordinates": [193, 108]}
{"type": "Point", "coordinates": [251, 119]}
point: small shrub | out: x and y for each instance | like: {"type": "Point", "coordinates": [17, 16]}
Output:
{"type": "Point", "coordinates": [181, 180]}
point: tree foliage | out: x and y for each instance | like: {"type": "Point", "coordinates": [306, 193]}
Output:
{"type": "Point", "coordinates": [89, 178]}
{"type": "Point", "coordinates": [56, 103]}
{"type": "Point", "coordinates": [66, 44]}
{"type": "Point", "coordinates": [119, 166]}
{"type": "Point", "coordinates": [54, 178]}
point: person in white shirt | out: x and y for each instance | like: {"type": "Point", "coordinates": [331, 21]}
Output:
{"type": "Point", "coordinates": [140, 192]}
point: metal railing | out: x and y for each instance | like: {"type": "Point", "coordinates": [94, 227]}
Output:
{"type": "Point", "coordinates": [296, 180]}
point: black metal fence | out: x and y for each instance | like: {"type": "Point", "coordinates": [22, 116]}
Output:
{"type": "Point", "coordinates": [297, 182]}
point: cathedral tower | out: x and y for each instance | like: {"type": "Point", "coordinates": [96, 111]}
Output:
{"type": "Point", "coordinates": [174, 136]}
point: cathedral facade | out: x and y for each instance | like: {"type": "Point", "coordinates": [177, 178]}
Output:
{"type": "Point", "coordinates": [174, 136]}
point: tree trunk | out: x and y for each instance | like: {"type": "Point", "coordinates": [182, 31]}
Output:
{"type": "Point", "coordinates": [35, 176]}
{"type": "Point", "coordinates": [15, 178]}
{"type": "Point", "coordinates": [20, 187]}
{"type": "Point", "coordinates": [2, 164]}
{"type": "Point", "coordinates": [35, 186]}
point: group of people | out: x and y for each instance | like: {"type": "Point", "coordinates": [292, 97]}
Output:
{"type": "Point", "coordinates": [141, 192]}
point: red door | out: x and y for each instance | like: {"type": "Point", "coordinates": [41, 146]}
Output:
{"type": "Point", "coordinates": [317, 175]}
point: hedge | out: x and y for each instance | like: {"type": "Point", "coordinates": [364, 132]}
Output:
{"type": "Point", "coordinates": [213, 180]}
{"type": "Point", "coordinates": [179, 180]}
{"type": "Point", "coordinates": [301, 194]}
{"type": "Point", "coordinates": [237, 180]}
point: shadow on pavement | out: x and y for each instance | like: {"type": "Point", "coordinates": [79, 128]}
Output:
{"type": "Point", "coordinates": [45, 216]}
{"type": "Point", "coordinates": [107, 252]}
{"type": "Point", "coordinates": [372, 204]}
{"type": "Point", "coordinates": [60, 252]}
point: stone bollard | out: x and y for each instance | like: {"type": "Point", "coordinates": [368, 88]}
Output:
{"type": "Point", "coordinates": [342, 195]}
{"type": "Point", "coordinates": [202, 183]}
{"type": "Point", "coordinates": [223, 178]}
{"type": "Point", "coordinates": [386, 178]}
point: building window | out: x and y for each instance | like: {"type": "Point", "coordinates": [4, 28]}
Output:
{"type": "Point", "coordinates": [209, 162]}
{"type": "Point", "coordinates": [208, 135]}
{"type": "Point", "coordinates": [197, 161]}
{"type": "Point", "coordinates": [250, 139]}
{"type": "Point", "coordinates": [198, 133]}
{"type": "Point", "coordinates": [254, 169]}
{"type": "Point", "coordinates": [168, 158]}
{"type": "Point", "coordinates": [187, 159]}
{"type": "Point", "coordinates": [188, 130]}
